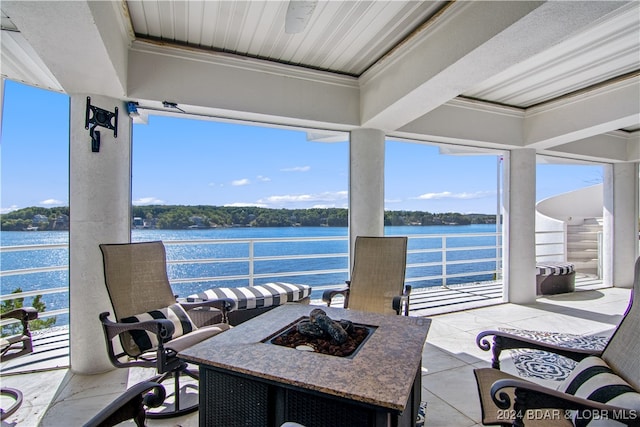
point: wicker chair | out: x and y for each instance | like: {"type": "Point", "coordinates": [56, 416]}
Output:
{"type": "Point", "coordinates": [16, 346]}
{"type": "Point", "coordinates": [130, 405]}
{"type": "Point", "coordinates": [150, 327]}
{"type": "Point", "coordinates": [377, 279]}
{"type": "Point", "coordinates": [603, 386]}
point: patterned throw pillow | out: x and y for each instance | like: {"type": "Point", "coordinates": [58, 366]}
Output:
{"type": "Point", "coordinates": [146, 340]}
{"type": "Point", "coordinates": [593, 379]}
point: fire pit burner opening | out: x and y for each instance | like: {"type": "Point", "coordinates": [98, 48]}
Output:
{"type": "Point", "coordinates": [291, 337]}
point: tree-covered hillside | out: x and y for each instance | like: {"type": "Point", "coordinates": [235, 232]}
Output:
{"type": "Point", "coordinates": [182, 217]}
{"type": "Point", "coordinates": [42, 218]}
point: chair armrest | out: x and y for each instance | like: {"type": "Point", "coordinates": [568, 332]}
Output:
{"type": "Point", "coordinates": [505, 340]}
{"type": "Point", "coordinates": [166, 358]}
{"type": "Point", "coordinates": [163, 328]}
{"type": "Point", "coordinates": [21, 343]}
{"type": "Point", "coordinates": [130, 405]}
{"type": "Point", "coordinates": [401, 302]}
{"type": "Point", "coordinates": [530, 395]}
{"type": "Point", "coordinates": [23, 313]}
{"type": "Point", "coordinates": [328, 295]}
{"type": "Point", "coordinates": [225, 305]}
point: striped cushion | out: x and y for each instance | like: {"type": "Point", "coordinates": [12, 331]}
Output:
{"type": "Point", "coordinates": [248, 297]}
{"type": "Point", "coordinates": [593, 379]}
{"type": "Point", "coordinates": [554, 268]}
{"type": "Point", "coordinates": [146, 340]}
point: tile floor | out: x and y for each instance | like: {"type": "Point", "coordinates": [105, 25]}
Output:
{"type": "Point", "coordinates": [61, 398]}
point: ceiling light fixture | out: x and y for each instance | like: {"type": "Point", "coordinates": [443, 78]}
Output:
{"type": "Point", "coordinates": [298, 15]}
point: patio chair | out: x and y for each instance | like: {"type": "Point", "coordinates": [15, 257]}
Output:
{"type": "Point", "coordinates": [377, 279]}
{"type": "Point", "coordinates": [16, 346]}
{"type": "Point", "coordinates": [151, 327]}
{"type": "Point", "coordinates": [130, 405]}
{"type": "Point", "coordinates": [604, 385]}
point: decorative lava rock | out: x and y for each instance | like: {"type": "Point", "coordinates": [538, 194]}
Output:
{"type": "Point", "coordinates": [319, 318]}
{"type": "Point", "coordinates": [319, 332]}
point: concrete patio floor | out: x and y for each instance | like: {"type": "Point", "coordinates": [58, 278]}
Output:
{"type": "Point", "coordinates": [57, 397]}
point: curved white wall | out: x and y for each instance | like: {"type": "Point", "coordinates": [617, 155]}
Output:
{"type": "Point", "coordinates": [573, 207]}
{"type": "Point", "coordinates": [554, 214]}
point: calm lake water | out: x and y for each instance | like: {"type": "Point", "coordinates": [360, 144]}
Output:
{"type": "Point", "coordinates": [60, 257]}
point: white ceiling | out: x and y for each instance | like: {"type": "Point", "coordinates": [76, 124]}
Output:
{"type": "Point", "coordinates": [344, 37]}
{"type": "Point", "coordinates": [348, 37]}
{"type": "Point", "coordinates": [410, 61]}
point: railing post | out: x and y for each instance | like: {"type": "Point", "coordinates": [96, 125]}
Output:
{"type": "Point", "coordinates": [444, 260]}
{"type": "Point", "coordinates": [600, 243]}
{"type": "Point", "coordinates": [251, 256]}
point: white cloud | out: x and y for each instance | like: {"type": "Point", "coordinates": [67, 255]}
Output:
{"type": "Point", "coordinates": [51, 202]}
{"type": "Point", "coordinates": [458, 196]}
{"type": "Point", "coordinates": [147, 201]}
{"type": "Point", "coordinates": [297, 169]}
{"type": "Point", "coordinates": [327, 196]}
{"type": "Point", "coordinates": [329, 206]}
{"type": "Point", "coordinates": [9, 209]}
{"type": "Point", "coordinates": [243, 205]}
{"type": "Point", "coordinates": [213, 184]}
{"type": "Point", "coordinates": [263, 178]}
{"type": "Point", "coordinates": [240, 182]}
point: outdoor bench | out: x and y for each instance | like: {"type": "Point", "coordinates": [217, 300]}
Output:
{"type": "Point", "coordinates": [555, 277]}
{"type": "Point", "coordinates": [250, 301]}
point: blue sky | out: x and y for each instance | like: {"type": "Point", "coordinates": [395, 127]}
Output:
{"type": "Point", "coordinates": [189, 162]}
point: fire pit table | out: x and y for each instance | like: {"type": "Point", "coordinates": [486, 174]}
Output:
{"type": "Point", "coordinates": [246, 379]}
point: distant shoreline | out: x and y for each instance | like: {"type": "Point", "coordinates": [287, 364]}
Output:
{"type": "Point", "coordinates": [200, 217]}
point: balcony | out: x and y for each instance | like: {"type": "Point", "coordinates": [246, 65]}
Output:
{"type": "Point", "coordinates": [447, 260]}
{"type": "Point", "coordinates": [56, 396]}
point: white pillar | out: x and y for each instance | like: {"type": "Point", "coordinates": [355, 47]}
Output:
{"type": "Point", "coordinates": [2, 80]}
{"type": "Point", "coordinates": [519, 227]}
{"type": "Point", "coordinates": [100, 212]}
{"type": "Point", "coordinates": [620, 224]}
{"type": "Point", "coordinates": [366, 184]}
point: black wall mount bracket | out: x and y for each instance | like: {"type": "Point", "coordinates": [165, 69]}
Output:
{"type": "Point", "coordinates": [95, 117]}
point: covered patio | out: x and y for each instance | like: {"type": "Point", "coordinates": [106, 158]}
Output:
{"type": "Point", "coordinates": [56, 396]}
{"type": "Point", "coordinates": [558, 81]}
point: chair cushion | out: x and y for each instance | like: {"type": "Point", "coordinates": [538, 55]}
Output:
{"type": "Point", "coordinates": [181, 343]}
{"type": "Point", "coordinates": [249, 297]}
{"type": "Point", "coordinates": [593, 379]}
{"type": "Point", "coordinates": [552, 268]}
{"type": "Point", "coordinates": [146, 340]}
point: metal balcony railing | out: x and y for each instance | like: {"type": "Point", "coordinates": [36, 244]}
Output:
{"type": "Point", "coordinates": [432, 260]}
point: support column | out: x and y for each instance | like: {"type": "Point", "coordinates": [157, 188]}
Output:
{"type": "Point", "coordinates": [100, 212]}
{"type": "Point", "coordinates": [519, 227]}
{"type": "Point", "coordinates": [620, 224]}
{"type": "Point", "coordinates": [366, 184]}
{"type": "Point", "coordinates": [2, 80]}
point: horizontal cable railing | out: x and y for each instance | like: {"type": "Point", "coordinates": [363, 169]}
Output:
{"type": "Point", "coordinates": [446, 255]}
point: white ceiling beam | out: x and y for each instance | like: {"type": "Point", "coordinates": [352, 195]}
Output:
{"type": "Point", "coordinates": [467, 44]}
{"type": "Point", "coordinates": [83, 43]}
{"type": "Point", "coordinates": [602, 110]}
{"type": "Point", "coordinates": [607, 147]}
{"type": "Point", "coordinates": [633, 147]}
{"type": "Point", "coordinates": [469, 122]}
{"type": "Point", "coordinates": [584, 126]}
{"type": "Point", "coordinates": [22, 64]}
{"type": "Point", "coordinates": [230, 86]}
